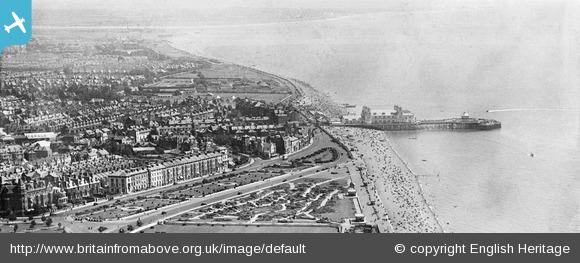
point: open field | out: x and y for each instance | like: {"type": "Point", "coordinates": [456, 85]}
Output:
{"type": "Point", "coordinates": [339, 209]}
{"type": "Point", "coordinates": [324, 155]}
{"type": "Point", "coordinates": [230, 71]}
{"type": "Point", "coordinates": [267, 97]}
{"type": "Point", "coordinates": [221, 78]}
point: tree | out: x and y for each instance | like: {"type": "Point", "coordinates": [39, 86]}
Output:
{"type": "Point", "coordinates": [15, 228]}
{"type": "Point", "coordinates": [12, 215]}
{"type": "Point", "coordinates": [127, 90]}
{"type": "Point", "coordinates": [32, 223]}
{"type": "Point", "coordinates": [185, 147]}
{"type": "Point", "coordinates": [130, 228]}
{"type": "Point", "coordinates": [139, 222]}
{"type": "Point", "coordinates": [48, 222]}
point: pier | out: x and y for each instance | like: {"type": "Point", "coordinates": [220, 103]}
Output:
{"type": "Point", "coordinates": [403, 120]}
{"type": "Point", "coordinates": [449, 124]}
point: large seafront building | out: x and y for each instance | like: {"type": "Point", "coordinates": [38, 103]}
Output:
{"type": "Point", "coordinates": [387, 116]}
{"type": "Point", "coordinates": [166, 173]}
{"type": "Point", "coordinates": [366, 115]}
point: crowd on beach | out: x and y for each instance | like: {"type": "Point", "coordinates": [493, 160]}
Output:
{"type": "Point", "coordinates": [398, 194]}
{"type": "Point", "coordinates": [312, 99]}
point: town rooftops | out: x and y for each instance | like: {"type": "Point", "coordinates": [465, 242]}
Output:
{"type": "Point", "coordinates": [156, 166]}
{"type": "Point", "coordinates": [128, 172]}
{"type": "Point", "coordinates": [379, 112]}
{"type": "Point", "coordinates": [351, 117]}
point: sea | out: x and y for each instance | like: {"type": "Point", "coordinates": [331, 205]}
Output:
{"type": "Point", "coordinates": [514, 61]}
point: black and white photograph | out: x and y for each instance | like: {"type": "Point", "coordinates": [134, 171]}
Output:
{"type": "Point", "coordinates": [294, 116]}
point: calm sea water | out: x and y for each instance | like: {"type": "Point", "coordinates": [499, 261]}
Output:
{"type": "Point", "coordinates": [488, 182]}
{"type": "Point", "coordinates": [439, 61]}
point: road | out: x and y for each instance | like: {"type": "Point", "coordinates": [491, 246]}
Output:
{"type": "Point", "coordinates": [150, 218]}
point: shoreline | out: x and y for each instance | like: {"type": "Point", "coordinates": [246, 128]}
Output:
{"type": "Point", "coordinates": [430, 206]}
{"type": "Point", "coordinates": [391, 179]}
{"type": "Point", "coordinates": [416, 216]}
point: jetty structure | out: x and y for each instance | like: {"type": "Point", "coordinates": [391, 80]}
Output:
{"type": "Point", "coordinates": [402, 120]}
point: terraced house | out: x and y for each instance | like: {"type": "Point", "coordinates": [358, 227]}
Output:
{"type": "Point", "coordinates": [166, 173]}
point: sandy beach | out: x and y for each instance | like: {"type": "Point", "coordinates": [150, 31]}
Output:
{"type": "Point", "coordinates": [398, 194]}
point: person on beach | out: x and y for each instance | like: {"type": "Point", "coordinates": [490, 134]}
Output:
{"type": "Point", "coordinates": [397, 185]}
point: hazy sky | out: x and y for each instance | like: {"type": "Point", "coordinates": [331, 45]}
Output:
{"type": "Point", "coordinates": [379, 5]}
{"type": "Point", "coordinates": [151, 4]}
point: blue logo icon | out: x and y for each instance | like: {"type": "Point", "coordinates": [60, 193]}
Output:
{"type": "Point", "coordinates": [15, 22]}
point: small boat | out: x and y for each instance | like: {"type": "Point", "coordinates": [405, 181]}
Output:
{"type": "Point", "coordinates": [532, 155]}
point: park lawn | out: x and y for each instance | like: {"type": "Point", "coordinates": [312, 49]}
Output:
{"type": "Point", "coordinates": [341, 209]}
{"type": "Point", "coordinates": [267, 97]}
